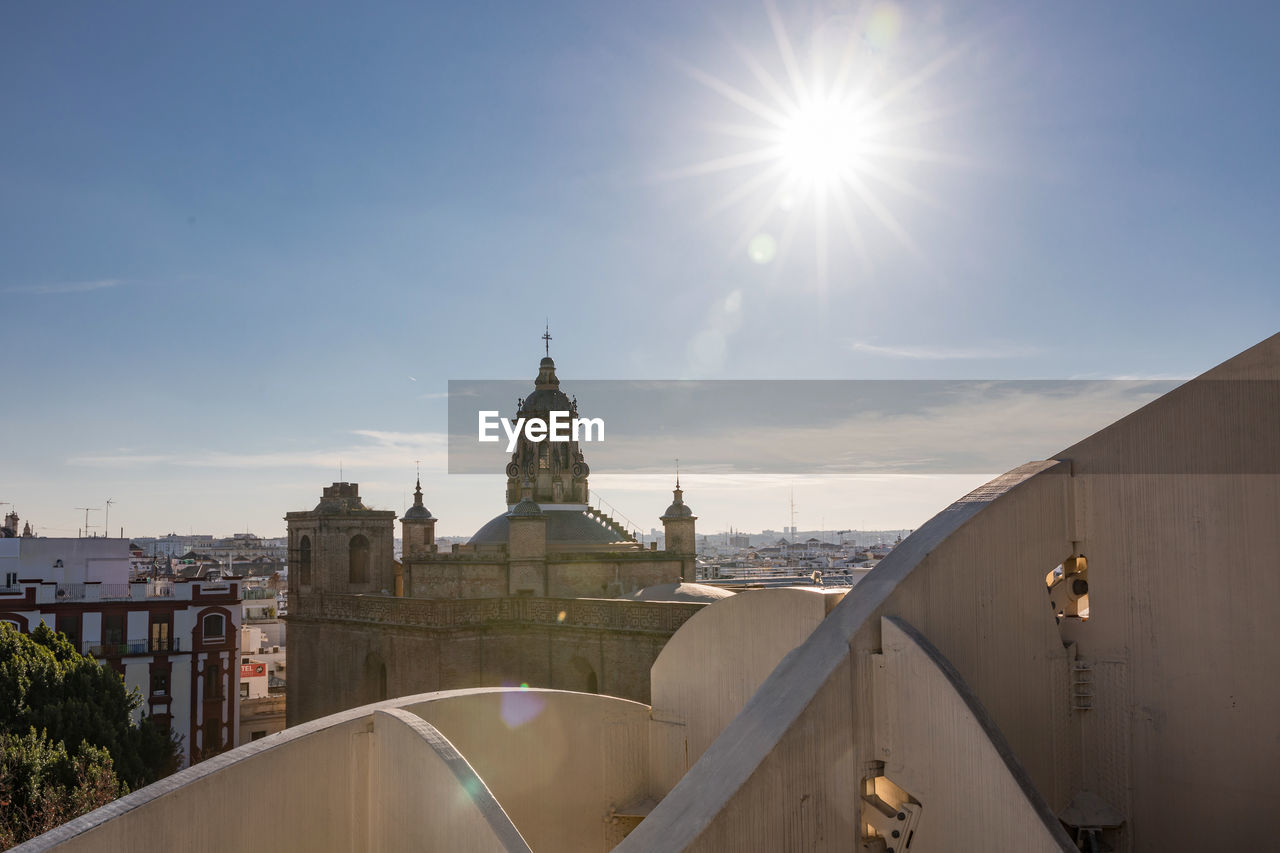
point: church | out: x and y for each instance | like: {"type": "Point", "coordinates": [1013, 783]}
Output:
{"type": "Point", "coordinates": [550, 593]}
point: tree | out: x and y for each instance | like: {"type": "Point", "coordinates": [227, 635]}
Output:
{"type": "Point", "coordinates": [54, 698]}
{"type": "Point", "coordinates": [43, 786]}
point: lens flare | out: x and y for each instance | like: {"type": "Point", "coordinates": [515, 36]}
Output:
{"type": "Point", "coordinates": [824, 140]}
{"type": "Point", "coordinates": [832, 129]}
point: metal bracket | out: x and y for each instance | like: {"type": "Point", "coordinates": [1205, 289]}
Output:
{"type": "Point", "coordinates": [895, 826]}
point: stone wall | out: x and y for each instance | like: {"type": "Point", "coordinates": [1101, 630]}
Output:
{"type": "Point", "coordinates": [568, 575]}
{"type": "Point", "coordinates": [344, 648]}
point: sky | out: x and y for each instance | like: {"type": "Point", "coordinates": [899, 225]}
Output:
{"type": "Point", "coordinates": [242, 245]}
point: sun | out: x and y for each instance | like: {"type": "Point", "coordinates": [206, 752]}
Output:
{"type": "Point", "coordinates": [820, 146]}
{"type": "Point", "coordinates": [824, 143]}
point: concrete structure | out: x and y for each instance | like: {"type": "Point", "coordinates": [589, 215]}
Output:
{"type": "Point", "coordinates": [175, 642]}
{"type": "Point", "coordinates": [1075, 656]}
{"type": "Point", "coordinates": [537, 596]}
{"type": "Point", "coordinates": [262, 709]}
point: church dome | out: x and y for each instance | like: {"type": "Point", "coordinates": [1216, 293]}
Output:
{"type": "Point", "coordinates": [418, 512]}
{"type": "Point", "coordinates": [564, 528]}
{"type": "Point", "coordinates": [680, 592]}
{"type": "Point", "coordinates": [678, 508]}
{"type": "Point", "coordinates": [546, 396]}
{"type": "Point", "coordinates": [545, 400]}
{"type": "Point", "coordinates": [525, 509]}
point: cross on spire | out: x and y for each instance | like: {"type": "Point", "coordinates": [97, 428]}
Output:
{"type": "Point", "coordinates": [546, 337]}
{"type": "Point", "coordinates": [677, 472]}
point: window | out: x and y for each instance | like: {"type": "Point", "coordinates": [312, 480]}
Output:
{"type": "Point", "coordinates": [304, 561]}
{"type": "Point", "coordinates": [257, 736]}
{"type": "Point", "coordinates": [359, 560]}
{"type": "Point", "coordinates": [212, 681]}
{"type": "Point", "coordinates": [215, 626]}
{"type": "Point", "coordinates": [10, 579]}
{"type": "Point", "coordinates": [69, 624]}
{"type": "Point", "coordinates": [159, 683]}
{"type": "Point", "coordinates": [160, 636]}
{"type": "Point", "coordinates": [112, 628]}
{"type": "Point", "coordinates": [244, 690]}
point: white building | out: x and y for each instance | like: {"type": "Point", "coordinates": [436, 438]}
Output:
{"type": "Point", "coordinates": [176, 643]}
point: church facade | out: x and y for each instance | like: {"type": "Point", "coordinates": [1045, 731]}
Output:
{"type": "Point", "coordinates": [549, 593]}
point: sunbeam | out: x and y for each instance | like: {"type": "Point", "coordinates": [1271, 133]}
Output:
{"type": "Point", "coordinates": [812, 143]}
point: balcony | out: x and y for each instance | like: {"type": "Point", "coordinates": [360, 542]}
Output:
{"type": "Point", "coordinates": [136, 591]}
{"type": "Point", "coordinates": [135, 647]}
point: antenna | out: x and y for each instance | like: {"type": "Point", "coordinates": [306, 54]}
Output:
{"type": "Point", "coordinates": [106, 518]}
{"type": "Point", "coordinates": [87, 510]}
{"type": "Point", "coordinates": [793, 512]}
{"type": "Point", "coordinates": [546, 337]}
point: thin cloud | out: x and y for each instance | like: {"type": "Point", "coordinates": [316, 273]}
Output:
{"type": "Point", "coordinates": [380, 450]}
{"type": "Point", "coordinates": [934, 353]}
{"type": "Point", "coordinates": [67, 287]}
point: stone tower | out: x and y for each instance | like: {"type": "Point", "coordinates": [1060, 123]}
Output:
{"type": "Point", "coordinates": [678, 525]}
{"type": "Point", "coordinates": [341, 545]}
{"type": "Point", "coordinates": [556, 470]}
{"type": "Point", "coordinates": [418, 527]}
{"type": "Point", "coordinates": [527, 547]}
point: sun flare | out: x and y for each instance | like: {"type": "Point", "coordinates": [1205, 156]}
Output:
{"type": "Point", "coordinates": [826, 142]}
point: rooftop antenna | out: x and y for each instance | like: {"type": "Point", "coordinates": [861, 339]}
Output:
{"type": "Point", "coordinates": [340, 469]}
{"type": "Point", "coordinates": [106, 518]}
{"type": "Point", "coordinates": [546, 337]}
{"type": "Point", "coordinates": [793, 512]}
{"type": "Point", "coordinates": [87, 510]}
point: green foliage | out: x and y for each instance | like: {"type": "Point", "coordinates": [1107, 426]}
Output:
{"type": "Point", "coordinates": [43, 786]}
{"type": "Point", "coordinates": [46, 686]}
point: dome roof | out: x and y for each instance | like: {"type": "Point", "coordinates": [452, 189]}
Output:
{"type": "Point", "coordinates": [525, 509]}
{"type": "Point", "coordinates": [680, 592]}
{"type": "Point", "coordinates": [564, 527]}
{"type": "Point", "coordinates": [678, 508]}
{"type": "Point", "coordinates": [418, 513]}
{"type": "Point", "coordinates": [547, 396]}
{"type": "Point", "coordinates": [545, 400]}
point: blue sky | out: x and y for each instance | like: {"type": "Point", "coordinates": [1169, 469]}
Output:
{"type": "Point", "coordinates": [243, 241]}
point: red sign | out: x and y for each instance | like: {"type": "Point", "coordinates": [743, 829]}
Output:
{"type": "Point", "coordinates": [253, 670]}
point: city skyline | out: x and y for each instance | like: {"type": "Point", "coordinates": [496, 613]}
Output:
{"type": "Point", "coordinates": [246, 246]}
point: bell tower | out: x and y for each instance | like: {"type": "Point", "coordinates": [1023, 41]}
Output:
{"type": "Point", "coordinates": [678, 525]}
{"type": "Point", "coordinates": [341, 545]}
{"type": "Point", "coordinates": [418, 527]}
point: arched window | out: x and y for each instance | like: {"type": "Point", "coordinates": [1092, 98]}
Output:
{"type": "Point", "coordinates": [359, 560]}
{"type": "Point", "coordinates": [215, 627]}
{"type": "Point", "coordinates": [304, 561]}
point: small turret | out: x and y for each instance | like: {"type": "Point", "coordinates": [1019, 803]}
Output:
{"type": "Point", "coordinates": [418, 527]}
{"type": "Point", "coordinates": [678, 525]}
